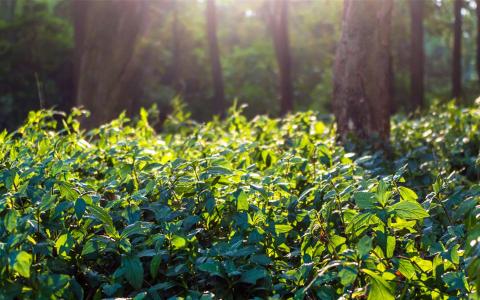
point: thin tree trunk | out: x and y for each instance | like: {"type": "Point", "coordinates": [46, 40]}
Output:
{"type": "Point", "coordinates": [457, 51]}
{"type": "Point", "coordinates": [217, 77]}
{"type": "Point", "coordinates": [478, 39]}
{"type": "Point", "coordinates": [106, 56]}
{"type": "Point", "coordinates": [416, 54]}
{"type": "Point", "coordinates": [281, 42]}
{"type": "Point", "coordinates": [176, 61]}
{"type": "Point", "coordinates": [361, 95]}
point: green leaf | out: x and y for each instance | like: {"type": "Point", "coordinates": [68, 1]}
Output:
{"type": "Point", "coordinates": [213, 268]}
{"type": "Point", "coordinates": [22, 263]}
{"type": "Point", "coordinates": [251, 276]}
{"type": "Point", "coordinates": [102, 215]}
{"type": "Point", "coordinates": [155, 265]}
{"type": "Point", "coordinates": [390, 249]}
{"type": "Point", "coordinates": [64, 244]}
{"type": "Point", "coordinates": [178, 242]}
{"type": "Point", "coordinates": [133, 271]}
{"type": "Point", "coordinates": [455, 281]}
{"type": "Point", "coordinates": [382, 192]}
{"type": "Point", "coordinates": [407, 194]}
{"type": "Point", "coordinates": [362, 220]}
{"type": "Point", "coordinates": [80, 207]}
{"type": "Point", "coordinates": [282, 228]}
{"type": "Point", "coordinates": [140, 228]}
{"type": "Point", "coordinates": [347, 275]}
{"type": "Point", "coordinates": [365, 200]}
{"type": "Point", "coordinates": [409, 210]}
{"type": "Point", "coordinates": [379, 287]}
{"type": "Point", "coordinates": [424, 264]}
{"type": "Point", "coordinates": [364, 246]}
{"type": "Point", "coordinates": [10, 220]}
{"type": "Point", "coordinates": [67, 191]}
{"type": "Point", "coordinates": [242, 202]}
{"type": "Point", "coordinates": [406, 268]}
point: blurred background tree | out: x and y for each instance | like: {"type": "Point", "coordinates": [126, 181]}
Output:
{"type": "Point", "coordinates": [37, 60]}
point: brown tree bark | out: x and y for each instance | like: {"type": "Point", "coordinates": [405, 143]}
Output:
{"type": "Point", "coordinates": [416, 54]}
{"type": "Point", "coordinates": [279, 24]}
{"type": "Point", "coordinates": [107, 67]}
{"type": "Point", "coordinates": [478, 39]}
{"type": "Point", "coordinates": [219, 104]}
{"type": "Point", "coordinates": [361, 95]}
{"type": "Point", "coordinates": [457, 51]}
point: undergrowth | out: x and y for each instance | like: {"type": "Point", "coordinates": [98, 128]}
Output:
{"type": "Point", "coordinates": [239, 209]}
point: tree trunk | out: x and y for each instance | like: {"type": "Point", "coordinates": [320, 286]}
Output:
{"type": "Point", "coordinates": [279, 24]}
{"type": "Point", "coordinates": [7, 9]}
{"type": "Point", "coordinates": [457, 51]}
{"type": "Point", "coordinates": [361, 95]}
{"type": "Point", "coordinates": [478, 39]}
{"type": "Point", "coordinates": [176, 80]}
{"type": "Point", "coordinates": [107, 56]}
{"type": "Point", "coordinates": [416, 54]}
{"type": "Point", "coordinates": [219, 104]}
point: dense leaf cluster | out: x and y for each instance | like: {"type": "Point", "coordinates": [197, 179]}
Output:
{"type": "Point", "coordinates": [239, 209]}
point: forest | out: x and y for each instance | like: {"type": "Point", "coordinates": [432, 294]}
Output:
{"type": "Point", "coordinates": [239, 149]}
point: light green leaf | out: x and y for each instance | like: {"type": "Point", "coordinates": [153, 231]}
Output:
{"type": "Point", "coordinates": [23, 261]}
{"type": "Point", "coordinates": [379, 287]}
{"type": "Point", "coordinates": [178, 242]}
{"type": "Point", "coordinates": [63, 244]}
{"type": "Point", "coordinates": [10, 220]}
{"type": "Point", "coordinates": [409, 210]}
{"type": "Point", "coordinates": [391, 243]}
{"type": "Point", "coordinates": [282, 228]}
{"type": "Point", "coordinates": [406, 268]}
{"type": "Point", "coordinates": [242, 202]}
{"type": "Point", "coordinates": [347, 275]}
{"type": "Point", "coordinates": [407, 194]}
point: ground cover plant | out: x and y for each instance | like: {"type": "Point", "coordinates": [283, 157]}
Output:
{"type": "Point", "coordinates": [240, 209]}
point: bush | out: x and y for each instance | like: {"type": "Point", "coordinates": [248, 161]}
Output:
{"type": "Point", "coordinates": [237, 208]}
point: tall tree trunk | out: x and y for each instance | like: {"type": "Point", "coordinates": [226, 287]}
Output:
{"type": "Point", "coordinates": [176, 51]}
{"type": "Point", "coordinates": [7, 9]}
{"type": "Point", "coordinates": [106, 56]}
{"type": "Point", "coordinates": [361, 93]}
{"type": "Point", "coordinates": [279, 20]}
{"type": "Point", "coordinates": [478, 39]}
{"type": "Point", "coordinates": [217, 77]}
{"type": "Point", "coordinates": [457, 50]}
{"type": "Point", "coordinates": [416, 54]}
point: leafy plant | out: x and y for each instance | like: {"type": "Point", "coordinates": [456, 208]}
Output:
{"type": "Point", "coordinates": [238, 208]}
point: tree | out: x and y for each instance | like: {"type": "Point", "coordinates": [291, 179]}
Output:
{"type": "Point", "coordinates": [361, 93]}
{"type": "Point", "coordinates": [217, 77]}
{"type": "Point", "coordinates": [7, 9]}
{"type": "Point", "coordinates": [416, 54]}
{"type": "Point", "coordinates": [279, 24]}
{"type": "Point", "coordinates": [457, 50]}
{"type": "Point", "coordinates": [478, 39]}
{"type": "Point", "coordinates": [107, 65]}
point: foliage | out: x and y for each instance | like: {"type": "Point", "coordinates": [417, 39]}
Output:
{"type": "Point", "coordinates": [261, 208]}
{"type": "Point", "coordinates": [35, 61]}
